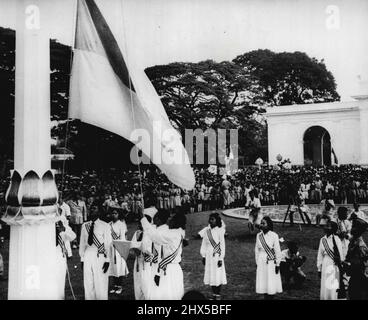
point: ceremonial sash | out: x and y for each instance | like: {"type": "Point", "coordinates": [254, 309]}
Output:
{"type": "Point", "coordinates": [61, 243]}
{"type": "Point", "coordinates": [151, 258]}
{"type": "Point", "coordinates": [216, 246]}
{"type": "Point", "coordinates": [100, 246]}
{"type": "Point", "coordinates": [139, 237]}
{"type": "Point", "coordinates": [269, 251]}
{"type": "Point", "coordinates": [155, 255]}
{"type": "Point", "coordinates": [328, 250]}
{"type": "Point", "coordinates": [170, 258]}
{"type": "Point", "coordinates": [147, 257]}
{"type": "Point", "coordinates": [115, 236]}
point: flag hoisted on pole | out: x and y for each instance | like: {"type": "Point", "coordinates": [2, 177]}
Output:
{"type": "Point", "coordinates": [108, 91]}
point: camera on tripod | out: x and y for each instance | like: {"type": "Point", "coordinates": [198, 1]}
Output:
{"type": "Point", "coordinates": [294, 200]}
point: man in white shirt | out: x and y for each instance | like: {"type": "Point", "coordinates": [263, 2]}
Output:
{"type": "Point", "coordinates": [109, 202]}
{"type": "Point", "coordinates": [226, 184]}
{"type": "Point", "coordinates": [357, 213]}
{"type": "Point", "coordinates": [64, 212]}
{"type": "Point", "coordinates": [64, 234]}
{"type": "Point", "coordinates": [64, 209]}
{"type": "Point", "coordinates": [94, 244]}
{"type": "Point", "coordinates": [78, 215]}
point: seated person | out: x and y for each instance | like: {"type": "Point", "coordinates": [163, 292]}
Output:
{"type": "Point", "coordinates": [302, 209]}
{"type": "Point", "coordinates": [290, 266]}
{"type": "Point", "coordinates": [357, 213]}
{"type": "Point", "coordinates": [328, 212]}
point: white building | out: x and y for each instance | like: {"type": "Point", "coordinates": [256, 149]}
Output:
{"type": "Point", "coordinates": [321, 133]}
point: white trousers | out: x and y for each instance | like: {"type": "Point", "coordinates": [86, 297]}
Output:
{"type": "Point", "coordinates": [96, 282]}
{"type": "Point", "coordinates": [61, 273]}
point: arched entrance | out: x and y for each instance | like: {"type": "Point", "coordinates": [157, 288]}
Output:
{"type": "Point", "coordinates": [317, 146]}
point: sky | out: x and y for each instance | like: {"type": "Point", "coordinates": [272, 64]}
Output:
{"type": "Point", "coordinates": [164, 31]}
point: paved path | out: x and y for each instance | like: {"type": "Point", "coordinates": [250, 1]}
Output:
{"type": "Point", "coordinates": [277, 213]}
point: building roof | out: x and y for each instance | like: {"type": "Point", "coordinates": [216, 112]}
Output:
{"type": "Point", "coordinates": [317, 108]}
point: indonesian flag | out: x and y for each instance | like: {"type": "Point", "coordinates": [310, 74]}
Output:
{"type": "Point", "coordinates": [112, 93]}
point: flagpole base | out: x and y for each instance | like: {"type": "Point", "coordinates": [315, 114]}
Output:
{"type": "Point", "coordinates": [21, 216]}
{"type": "Point", "coordinates": [31, 198]}
{"type": "Point", "coordinates": [31, 213]}
{"type": "Point", "coordinates": [32, 262]}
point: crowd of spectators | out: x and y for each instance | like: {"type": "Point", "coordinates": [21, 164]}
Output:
{"type": "Point", "coordinates": [272, 185]}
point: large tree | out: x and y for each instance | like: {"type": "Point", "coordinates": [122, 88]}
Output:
{"type": "Point", "coordinates": [205, 94]}
{"type": "Point", "coordinates": [212, 95]}
{"type": "Point", "coordinates": [290, 78]}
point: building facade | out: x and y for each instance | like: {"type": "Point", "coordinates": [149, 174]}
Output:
{"type": "Point", "coordinates": [319, 134]}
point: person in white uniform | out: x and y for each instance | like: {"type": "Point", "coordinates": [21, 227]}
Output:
{"type": "Point", "coordinates": [135, 249]}
{"type": "Point", "coordinates": [254, 204]}
{"type": "Point", "coordinates": [118, 267]}
{"type": "Point", "coordinates": [268, 258]}
{"type": "Point", "coordinates": [356, 213]}
{"type": "Point", "coordinates": [169, 280]}
{"type": "Point", "coordinates": [226, 184]}
{"type": "Point", "coordinates": [94, 244]}
{"type": "Point", "coordinates": [145, 261]}
{"type": "Point", "coordinates": [343, 229]}
{"type": "Point", "coordinates": [64, 234]}
{"type": "Point", "coordinates": [64, 210]}
{"type": "Point", "coordinates": [213, 254]}
{"type": "Point", "coordinates": [329, 256]}
{"type": "Point", "coordinates": [78, 215]}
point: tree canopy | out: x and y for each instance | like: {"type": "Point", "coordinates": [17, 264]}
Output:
{"type": "Point", "coordinates": [290, 78]}
{"type": "Point", "coordinates": [212, 95]}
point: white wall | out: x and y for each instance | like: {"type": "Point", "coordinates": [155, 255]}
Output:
{"type": "Point", "coordinates": [286, 131]}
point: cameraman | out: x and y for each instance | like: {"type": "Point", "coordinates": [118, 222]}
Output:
{"type": "Point", "coordinates": [290, 266]}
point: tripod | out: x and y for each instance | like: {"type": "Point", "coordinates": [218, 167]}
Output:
{"type": "Point", "coordinates": [293, 201]}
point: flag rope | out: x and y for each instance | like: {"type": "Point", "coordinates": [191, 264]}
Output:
{"type": "Point", "coordinates": [67, 132]}
{"type": "Point", "coordinates": [131, 98]}
{"type": "Point", "coordinates": [70, 72]}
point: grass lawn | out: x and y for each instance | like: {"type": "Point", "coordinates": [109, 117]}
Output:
{"type": "Point", "coordinates": [239, 262]}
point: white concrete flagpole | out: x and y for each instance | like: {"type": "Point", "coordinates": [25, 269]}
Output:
{"type": "Point", "coordinates": [32, 195]}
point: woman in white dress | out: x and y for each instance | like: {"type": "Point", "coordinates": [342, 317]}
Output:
{"type": "Point", "coordinates": [213, 254]}
{"type": "Point", "coordinates": [150, 257]}
{"type": "Point", "coordinates": [168, 279]}
{"type": "Point", "coordinates": [329, 256]}
{"type": "Point", "coordinates": [146, 260]}
{"type": "Point", "coordinates": [268, 258]}
{"type": "Point", "coordinates": [118, 267]}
